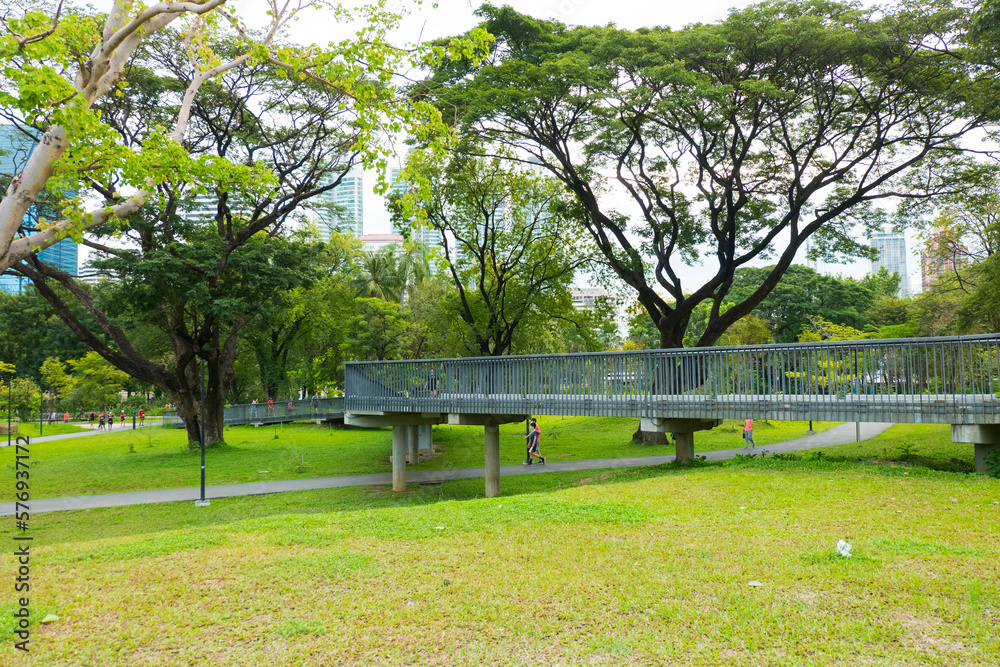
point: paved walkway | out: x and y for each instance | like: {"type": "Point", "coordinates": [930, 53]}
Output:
{"type": "Point", "coordinates": [838, 435]}
{"type": "Point", "coordinates": [79, 434]}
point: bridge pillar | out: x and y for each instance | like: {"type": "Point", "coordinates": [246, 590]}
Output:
{"type": "Point", "coordinates": [399, 458]}
{"type": "Point", "coordinates": [492, 438]}
{"type": "Point", "coordinates": [684, 446]}
{"type": "Point", "coordinates": [425, 436]}
{"type": "Point", "coordinates": [683, 430]}
{"type": "Point", "coordinates": [411, 444]}
{"type": "Point", "coordinates": [985, 438]}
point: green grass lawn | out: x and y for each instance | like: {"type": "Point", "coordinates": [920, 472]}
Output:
{"type": "Point", "coordinates": [30, 429]}
{"type": "Point", "coordinates": [158, 458]}
{"type": "Point", "coordinates": [910, 444]}
{"type": "Point", "coordinates": [722, 564]}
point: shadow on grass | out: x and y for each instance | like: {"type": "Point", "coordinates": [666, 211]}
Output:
{"type": "Point", "coordinates": [64, 527]}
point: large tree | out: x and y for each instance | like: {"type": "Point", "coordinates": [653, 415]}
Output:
{"type": "Point", "coordinates": [507, 241]}
{"type": "Point", "coordinates": [60, 63]}
{"type": "Point", "coordinates": [206, 255]}
{"type": "Point", "coordinates": [725, 143]}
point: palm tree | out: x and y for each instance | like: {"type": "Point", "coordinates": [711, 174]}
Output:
{"type": "Point", "coordinates": [378, 276]}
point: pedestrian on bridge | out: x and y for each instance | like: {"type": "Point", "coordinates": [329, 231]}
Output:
{"type": "Point", "coordinates": [432, 384]}
{"type": "Point", "coordinates": [748, 440]}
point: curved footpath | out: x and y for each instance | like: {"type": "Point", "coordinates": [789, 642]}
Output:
{"type": "Point", "coordinates": [838, 435]}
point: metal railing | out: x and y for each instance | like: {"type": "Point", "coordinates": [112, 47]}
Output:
{"type": "Point", "coordinates": [934, 380]}
{"type": "Point", "coordinates": [282, 411]}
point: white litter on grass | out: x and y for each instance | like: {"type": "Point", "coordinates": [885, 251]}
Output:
{"type": "Point", "coordinates": [438, 527]}
{"type": "Point", "coordinates": [754, 583]}
{"type": "Point", "coordinates": [844, 549]}
{"type": "Point", "coordinates": [49, 618]}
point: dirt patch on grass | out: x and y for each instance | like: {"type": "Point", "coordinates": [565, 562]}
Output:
{"type": "Point", "coordinates": [596, 478]}
{"type": "Point", "coordinates": [922, 634]}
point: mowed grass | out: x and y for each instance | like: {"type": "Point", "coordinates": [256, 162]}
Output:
{"type": "Point", "coordinates": [725, 564]}
{"type": "Point", "coordinates": [927, 445]}
{"type": "Point", "coordinates": [158, 458]}
{"type": "Point", "coordinates": [30, 429]}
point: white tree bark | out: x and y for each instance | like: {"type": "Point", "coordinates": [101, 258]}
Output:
{"type": "Point", "coordinates": [96, 76]}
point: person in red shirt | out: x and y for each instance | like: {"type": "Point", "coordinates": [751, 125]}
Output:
{"type": "Point", "coordinates": [142, 416]}
{"type": "Point", "coordinates": [270, 407]}
{"type": "Point", "coordinates": [748, 434]}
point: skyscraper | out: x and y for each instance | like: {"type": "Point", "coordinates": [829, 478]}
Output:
{"type": "Point", "coordinates": [15, 148]}
{"type": "Point", "coordinates": [891, 249]}
{"type": "Point", "coordinates": [342, 208]}
{"type": "Point", "coordinates": [426, 235]}
{"type": "Point", "coordinates": [943, 253]}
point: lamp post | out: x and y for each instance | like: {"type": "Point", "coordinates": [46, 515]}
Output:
{"type": "Point", "coordinates": [203, 502]}
{"type": "Point", "coordinates": [41, 407]}
{"type": "Point", "coordinates": [10, 383]}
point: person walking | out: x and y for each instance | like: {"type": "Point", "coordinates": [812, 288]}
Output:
{"type": "Point", "coordinates": [91, 417]}
{"type": "Point", "coordinates": [315, 403]}
{"type": "Point", "coordinates": [253, 409]}
{"type": "Point", "coordinates": [432, 384]}
{"type": "Point", "coordinates": [270, 407]}
{"type": "Point", "coordinates": [534, 438]}
{"type": "Point", "coordinates": [748, 440]}
{"type": "Point", "coordinates": [291, 408]}
{"type": "Point", "coordinates": [111, 421]}
{"type": "Point", "coordinates": [100, 423]}
{"type": "Point", "coordinates": [142, 417]}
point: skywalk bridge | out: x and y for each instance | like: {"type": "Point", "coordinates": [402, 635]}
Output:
{"type": "Point", "coordinates": [259, 414]}
{"type": "Point", "coordinates": [954, 380]}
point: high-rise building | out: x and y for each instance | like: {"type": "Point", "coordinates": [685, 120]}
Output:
{"type": "Point", "coordinates": [943, 253]}
{"type": "Point", "coordinates": [15, 148]}
{"type": "Point", "coordinates": [585, 298]}
{"type": "Point", "coordinates": [891, 249]}
{"type": "Point", "coordinates": [342, 208]}
{"type": "Point", "coordinates": [429, 237]}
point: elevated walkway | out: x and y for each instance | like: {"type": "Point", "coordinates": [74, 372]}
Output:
{"type": "Point", "coordinates": [259, 414]}
{"type": "Point", "coordinates": [954, 380]}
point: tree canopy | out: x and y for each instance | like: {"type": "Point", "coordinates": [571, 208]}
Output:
{"type": "Point", "coordinates": [61, 63]}
{"type": "Point", "coordinates": [727, 142]}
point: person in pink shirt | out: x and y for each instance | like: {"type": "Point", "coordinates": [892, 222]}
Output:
{"type": "Point", "coordinates": [748, 434]}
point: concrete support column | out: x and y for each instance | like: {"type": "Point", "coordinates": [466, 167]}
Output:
{"type": "Point", "coordinates": [411, 444]}
{"type": "Point", "coordinates": [685, 446]}
{"type": "Point", "coordinates": [985, 438]}
{"type": "Point", "coordinates": [399, 458]}
{"type": "Point", "coordinates": [492, 459]}
{"type": "Point", "coordinates": [982, 452]}
{"type": "Point", "coordinates": [425, 433]}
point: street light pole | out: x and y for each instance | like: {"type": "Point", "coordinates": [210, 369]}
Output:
{"type": "Point", "coordinates": [203, 502]}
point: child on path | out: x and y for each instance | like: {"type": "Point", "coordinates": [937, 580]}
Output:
{"type": "Point", "coordinates": [142, 416]}
{"type": "Point", "coordinates": [100, 423]}
{"type": "Point", "coordinates": [748, 434]}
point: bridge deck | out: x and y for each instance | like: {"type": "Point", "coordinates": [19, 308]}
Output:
{"type": "Point", "coordinates": [923, 408]}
